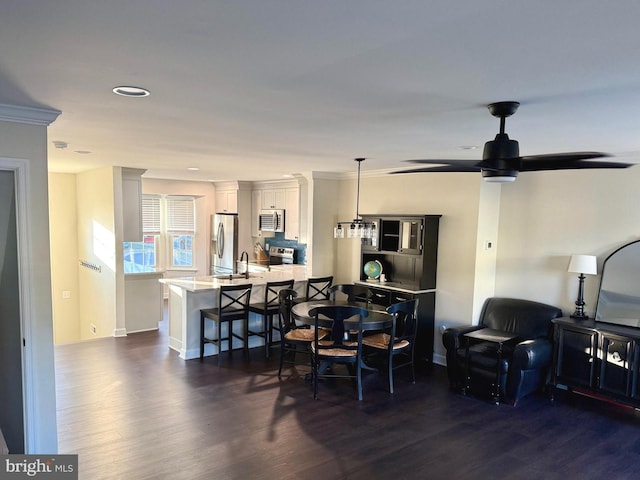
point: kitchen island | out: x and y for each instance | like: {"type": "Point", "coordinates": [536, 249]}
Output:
{"type": "Point", "coordinates": [188, 295]}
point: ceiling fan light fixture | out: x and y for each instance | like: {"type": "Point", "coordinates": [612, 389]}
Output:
{"type": "Point", "coordinates": [499, 179]}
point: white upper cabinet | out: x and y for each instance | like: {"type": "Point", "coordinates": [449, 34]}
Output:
{"type": "Point", "coordinates": [256, 206]}
{"type": "Point", "coordinates": [292, 214]}
{"type": "Point", "coordinates": [275, 198]}
{"type": "Point", "coordinates": [226, 201]}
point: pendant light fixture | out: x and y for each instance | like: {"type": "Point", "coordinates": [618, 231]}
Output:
{"type": "Point", "coordinates": [356, 228]}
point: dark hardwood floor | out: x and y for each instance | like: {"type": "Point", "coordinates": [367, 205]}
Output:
{"type": "Point", "coordinates": [132, 410]}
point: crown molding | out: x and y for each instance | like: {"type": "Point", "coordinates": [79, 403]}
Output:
{"type": "Point", "coordinates": [29, 115]}
{"type": "Point", "coordinates": [352, 175]}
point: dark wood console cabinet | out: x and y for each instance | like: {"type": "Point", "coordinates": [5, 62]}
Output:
{"type": "Point", "coordinates": [597, 358]}
{"type": "Point", "coordinates": [407, 248]}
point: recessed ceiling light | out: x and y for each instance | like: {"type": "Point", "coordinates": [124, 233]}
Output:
{"type": "Point", "coordinates": [129, 91]}
{"type": "Point", "coordinates": [60, 144]}
{"type": "Point", "coordinates": [468, 147]}
{"type": "Point", "coordinates": [287, 175]}
{"type": "Point", "coordinates": [82, 152]}
{"type": "Point", "coordinates": [193, 169]}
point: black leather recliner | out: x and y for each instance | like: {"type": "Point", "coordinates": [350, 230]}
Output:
{"type": "Point", "coordinates": [525, 361]}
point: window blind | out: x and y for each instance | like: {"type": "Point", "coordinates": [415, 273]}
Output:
{"type": "Point", "coordinates": [180, 214]}
{"type": "Point", "coordinates": [150, 214]}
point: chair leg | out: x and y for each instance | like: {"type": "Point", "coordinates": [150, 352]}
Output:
{"type": "Point", "coordinates": [282, 353]}
{"type": "Point", "coordinates": [359, 380]}
{"type": "Point", "coordinates": [246, 336]}
{"type": "Point", "coordinates": [390, 376]}
{"type": "Point", "coordinates": [268, 335]}
{"type": "Point", "coordinates": [266, 325]}
{"type": "Point", "coordinates": [413, 373]}
{"type": "Point", "coordinates": [220, 342]}
{"type": "Point", "coordinates": [201, 337]}
{"type": "Point", "coordinates": [314, 370]}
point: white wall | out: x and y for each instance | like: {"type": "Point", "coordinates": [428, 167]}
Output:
{"type": "Point", "coordinates": [547, 216]}
{"type": "Point", "coordinates": [63, 224]}
{"type": "Point", "coordinates": [97, 295]}
{"type": "Point", "coordinates": [322, 258]}
{"type": "Point", "coordinates": [486, 245]}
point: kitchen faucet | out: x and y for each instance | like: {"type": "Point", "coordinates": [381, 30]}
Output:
{"type": "Point", "coordinates": [244, 255]}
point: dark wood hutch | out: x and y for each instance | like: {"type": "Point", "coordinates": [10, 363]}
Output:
{"type": "Point", "coordinates": [407, 248]}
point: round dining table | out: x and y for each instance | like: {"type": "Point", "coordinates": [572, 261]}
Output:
{"type": "Point", "coordinates": [377, 319]}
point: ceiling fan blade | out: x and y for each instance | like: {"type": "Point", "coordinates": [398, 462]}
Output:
{"type": "Point", "coordinates": [462, 163]}
{"type": "Point", "coordinates": [574, 165]}
{"type": "Point", "coordinates": [441, 168]}
{"type": "Point", "coordinates": [567, 161]}
{"type": "Point", "coordinates": [565, 156]}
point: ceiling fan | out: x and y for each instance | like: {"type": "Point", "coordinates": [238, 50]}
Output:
{"type": "Point", "coordinates": [501, 160]}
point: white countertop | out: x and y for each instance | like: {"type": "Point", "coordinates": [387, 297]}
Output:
{"type": "Point", "coordinates": [277, 273]}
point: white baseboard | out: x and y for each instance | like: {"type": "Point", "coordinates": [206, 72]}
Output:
{"type": "Point", "coordinates": [440, 359]}
{"type": "Point", "coordinates": [120, 332]}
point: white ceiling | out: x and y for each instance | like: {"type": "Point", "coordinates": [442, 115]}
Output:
{"type": "Point", "coordinates": [255, 89]}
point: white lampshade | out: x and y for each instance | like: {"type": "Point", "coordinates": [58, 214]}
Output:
{"type": "Point", "coordinates": [583, 264]}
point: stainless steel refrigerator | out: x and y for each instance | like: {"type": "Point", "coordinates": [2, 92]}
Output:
{"type": "Point", "coordinates": [224, 243]}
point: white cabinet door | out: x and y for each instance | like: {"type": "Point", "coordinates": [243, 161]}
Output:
{"type": "Point", "coordinates": [226, 201]}
{"type": "Point", "coordinates": [256, 206]}
{"type": "Point", "coordinates": [275, 198]}
{"type": "Point", "coordinates": [292, 214]}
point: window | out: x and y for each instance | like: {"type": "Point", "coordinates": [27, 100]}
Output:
{"type": "Point", "coordinates": [174, 235]}
{"type": "Point", "coordinates": [180, 230]}
{"type": "Point", "coordinates": [142, 256]}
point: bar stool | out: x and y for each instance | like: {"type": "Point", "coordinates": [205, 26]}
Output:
{"type": "Point", "coordinates": [233, 304]}
{"type": "Point", "coordinates": [317, 289]}
{"type": "Point", "coordinates": [267, 309]}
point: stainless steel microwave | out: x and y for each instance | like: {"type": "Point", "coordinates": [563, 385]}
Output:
{"type": "Point", "coordinates": [271, 220]}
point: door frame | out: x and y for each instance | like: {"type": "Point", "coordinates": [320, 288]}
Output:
{"type": "Point", "coordinates": [20, 170]}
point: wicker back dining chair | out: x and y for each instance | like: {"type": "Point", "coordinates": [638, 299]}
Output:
{"type": "Point", "coordinates": [294, 340]}
{"type": "Point", "coordinates": [398, 341]}
{"type": "Point", "coordinates": [337, 349]}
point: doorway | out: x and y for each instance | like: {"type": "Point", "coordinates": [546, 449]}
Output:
{"type": "Point", "coordinates": [11, 399]}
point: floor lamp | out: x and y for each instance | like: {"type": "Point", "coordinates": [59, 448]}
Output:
{"type": "Point", "coordinates": [582, 264]}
